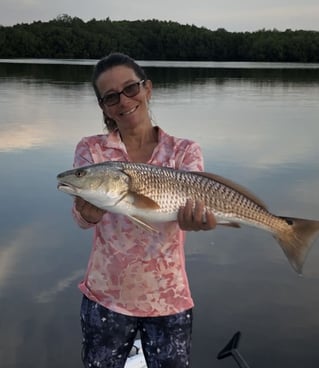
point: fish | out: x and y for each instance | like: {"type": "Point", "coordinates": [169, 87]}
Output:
{"type": "Point", "coordinates": [149, 194]}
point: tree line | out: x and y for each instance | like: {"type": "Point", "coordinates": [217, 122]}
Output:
{"type": "Point", "coordinates": [71, 37]}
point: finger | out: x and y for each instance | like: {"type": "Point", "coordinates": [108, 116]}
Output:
{"type": "Point", "coordinates": [185, 215]}
{"type": "Point", "coordinates": [91, 213]}
{"type": "Point", "coordinates": [187, 212]}
{"type": "Point", "coordinates": [194, 216]}
{"type": "Point", "coordinates": [199, 213]}
{"type": "Point", "coordinates": [210, 220]}
{"type": "Point", "coordinates": [209, 223]}
{"type": "Point", "coordinates": [79, 203]}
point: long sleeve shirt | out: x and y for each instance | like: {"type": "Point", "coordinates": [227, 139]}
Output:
{"type": "Point", "coordinates": [131, 270]}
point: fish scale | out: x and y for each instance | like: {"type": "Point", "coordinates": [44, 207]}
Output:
{"type": "Point", "coordinates": [174, 188]}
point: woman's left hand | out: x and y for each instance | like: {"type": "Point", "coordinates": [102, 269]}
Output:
{"type": "Point", "coordinates": [196, 218]}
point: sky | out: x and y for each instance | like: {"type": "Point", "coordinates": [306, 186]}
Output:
{"type": "Point", "coordinates": [232, 15]}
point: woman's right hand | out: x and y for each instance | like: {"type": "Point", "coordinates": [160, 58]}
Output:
{"type": "Point", "coordinates": [88, 211]}
{"type": "Point", "coordinates": [194, 217]}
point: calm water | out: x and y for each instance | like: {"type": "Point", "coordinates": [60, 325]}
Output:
{"type": "Point", "coordinates": [257, 124]}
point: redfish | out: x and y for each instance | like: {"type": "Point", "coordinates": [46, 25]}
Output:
{"type": "Point", "coordinates": [150, 194]}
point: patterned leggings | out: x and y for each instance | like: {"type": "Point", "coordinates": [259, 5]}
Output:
{"type": "Point", "coordinates": [109, 336]}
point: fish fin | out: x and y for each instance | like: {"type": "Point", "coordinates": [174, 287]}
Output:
{"type": "Point", "coordinates": [297, 242]}
{"type": "Point", "coordinates": [229, 224]}
{"type": "Point", "coordinates": [143, 224]}
{"type": "Point", "coordinates": [141, 201]}
{"type": "Point", "coordinates": [234, 186]}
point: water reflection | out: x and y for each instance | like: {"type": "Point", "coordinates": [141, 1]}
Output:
{"type": "Point", "coordinates": [216, 101]}
{"type": "Point", "coordinates": [32, 114]}
{"type": "Point", "coordinates": [260, 125]}
{"type": "Point", "coordinates": [256, 126]}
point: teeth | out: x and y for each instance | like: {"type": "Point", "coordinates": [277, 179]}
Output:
{"type": "Point", "coordinates": [130, 111]}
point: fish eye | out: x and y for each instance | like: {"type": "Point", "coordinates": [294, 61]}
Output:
{"type": "Point", "coordinates": [79, 173]}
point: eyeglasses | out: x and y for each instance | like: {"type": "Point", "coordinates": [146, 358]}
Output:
{"type": "Point", "coordinates": [113, 98]}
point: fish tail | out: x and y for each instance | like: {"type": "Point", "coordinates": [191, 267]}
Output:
{"type": "Point", "coordinates": [297, 241]}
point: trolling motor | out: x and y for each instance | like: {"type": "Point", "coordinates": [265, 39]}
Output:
{"type": "Point", "coordinates": [231, 350]}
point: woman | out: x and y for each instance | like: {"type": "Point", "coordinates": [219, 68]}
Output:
{"type": "Point", "coordinates": [136, 279]}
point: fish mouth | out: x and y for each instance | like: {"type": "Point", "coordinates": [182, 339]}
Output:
{"type": "Point", "coordinates": [66, 188]}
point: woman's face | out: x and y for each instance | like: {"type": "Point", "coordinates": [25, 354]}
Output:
{"type": "Point", "coordinates": [129, 112]}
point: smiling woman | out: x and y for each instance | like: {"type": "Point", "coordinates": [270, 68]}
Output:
{"type": "Point", "coordinates": [148, 279]}
{"type": "Point", "coordinates": [120, 79]}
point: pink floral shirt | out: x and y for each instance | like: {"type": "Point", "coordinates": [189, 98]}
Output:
{"type": "Point", "coordinates": [131, 270]}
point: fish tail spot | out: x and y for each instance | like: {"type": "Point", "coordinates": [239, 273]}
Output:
{"type": "Point", "coordinates": [288, 220]}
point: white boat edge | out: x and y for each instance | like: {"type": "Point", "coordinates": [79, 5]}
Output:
{"type": "Point", "coordinates": [136, 358]}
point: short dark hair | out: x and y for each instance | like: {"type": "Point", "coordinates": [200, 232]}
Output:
{"type": "Point", "coordinates": [109, 62]}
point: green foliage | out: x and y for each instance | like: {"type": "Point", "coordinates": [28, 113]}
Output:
{"type": "Point", "coordinates": [70, 37]}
